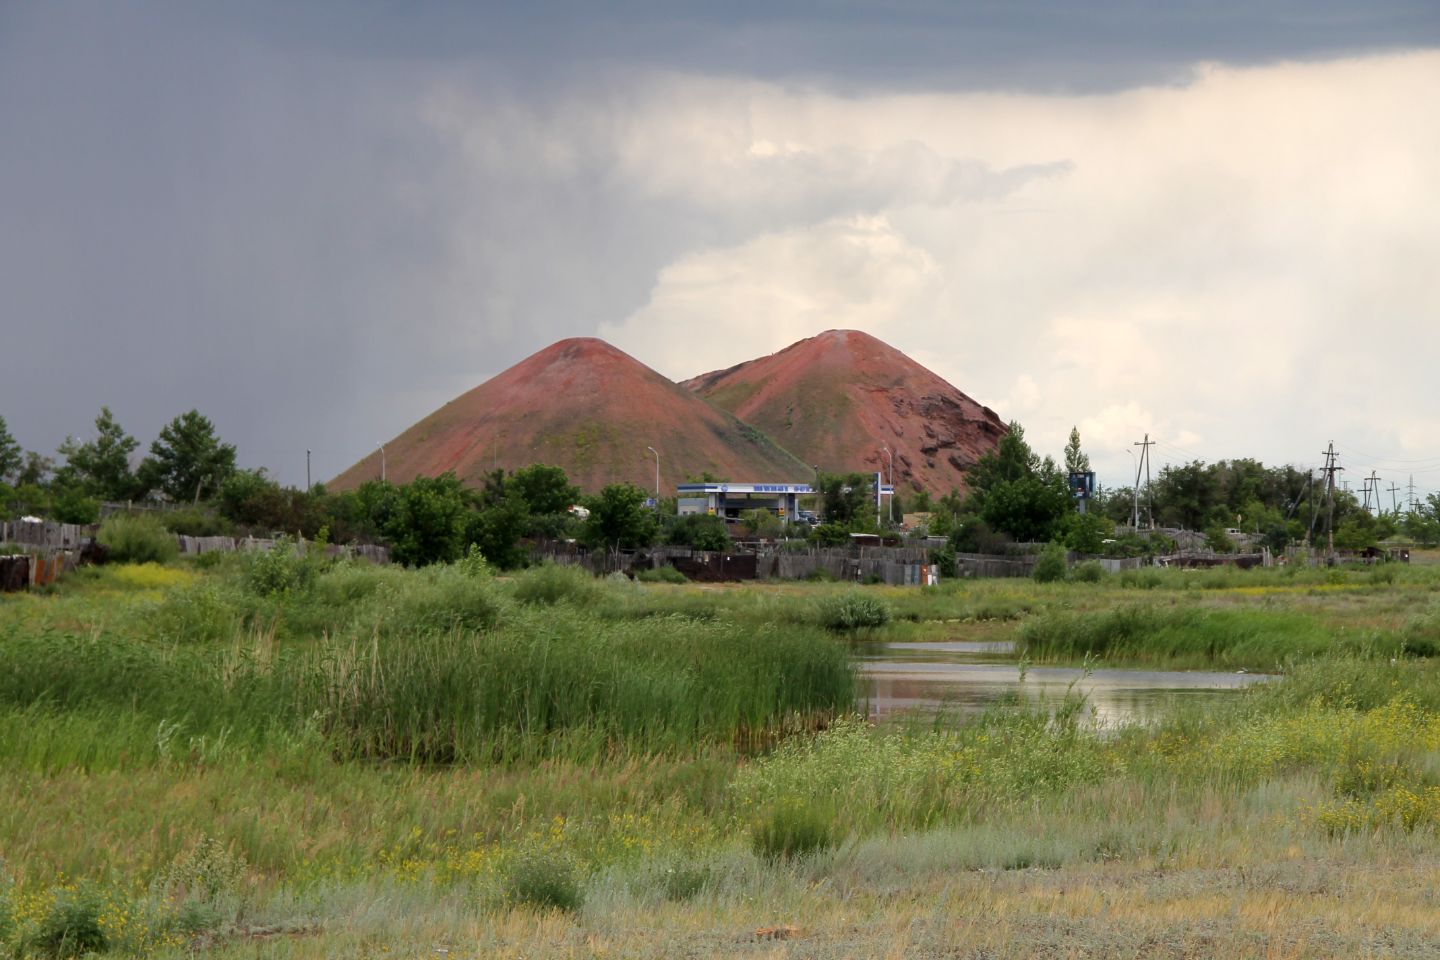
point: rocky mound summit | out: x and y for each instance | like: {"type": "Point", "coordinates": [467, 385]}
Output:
{"type": "Point", "coordinates": [583, 405]}
{"type": "Point", "coordinates": [837, 399]}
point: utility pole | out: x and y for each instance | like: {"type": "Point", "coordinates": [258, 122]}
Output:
{"type": "Point", "coordinates": [307, 472]}
{"type": "Point", "coordinates": [657, 474]}
{"type": "Point", "coordinates": [1330, 469]}
{"type": "Point", "coordinates": [1394, 505]}
{"type": "Point", "coordinates": [1412, 493]}
{"type": "Point", "coordinates": [1375, 489]}
{"type": "Point", "coordinates": [382, 461]}
{"type": "Point", "coordinates": [1144, 446]}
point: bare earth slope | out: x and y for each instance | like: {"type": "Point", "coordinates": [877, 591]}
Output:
{"type": "Point", "coordinates": [833, 400]}
{"type": "Point", "coordinates": [585, 406]}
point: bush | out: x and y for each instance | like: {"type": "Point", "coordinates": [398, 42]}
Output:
{"type": "Point", "coordinates": [1141, 579]}
{"type": "Point", "coordinates": [821, 575]}
{"type": "Point", "coordinates": [701, 531]}
{"type": "Point", "coordinates": [665, 574]}
{"type": "Point", "coordinates": [196, 522]}
{"type": "Point", "coordinates": [283, 568]}
{"type": "Point", "coordinates": [1091, 572]}
{"type": "Point", "coordinates": [544, 880]}
{"type": "Point", "coordinates": [794, 828]}
{"type": "Point", "coordinates": [1050, 568]}
{"type": "Point", "coordinates": [71, 927]}
{"type": "Point", "coordinates": [552, 583]}
{"type": "Point", "coordinates": [138, 539]}
{"type": "Point", "coordinates": [442, 600]}
{"type": "Point", "coordinates": [853, 611]}
{"type": "Point", "coordinates": [944, 558]}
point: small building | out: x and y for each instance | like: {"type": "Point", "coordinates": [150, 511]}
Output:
{"type": "Point", "coordinates": [729, 500]}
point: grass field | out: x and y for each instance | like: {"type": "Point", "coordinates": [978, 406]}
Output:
{"type": "Point", "coordinates": [285, 758]}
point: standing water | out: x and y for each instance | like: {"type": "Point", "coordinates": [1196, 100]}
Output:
{"type": "Point", "coordinates": [963, 678]}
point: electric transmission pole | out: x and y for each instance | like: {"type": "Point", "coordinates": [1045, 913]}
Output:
{"type": "Point", "coordinates": [1330, 469]}
{"type": "Point", "coordinates": [1144, 446]}
{"type": "Point", "coordinates": [1394, 505]}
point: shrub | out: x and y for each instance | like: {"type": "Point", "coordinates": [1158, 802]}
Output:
{"type": "Point", "coordinates": [443, 599]}
{"type": "Point", "coordinates": [544, 880]}
{"type": "Point", "coordinates": [138, 539]}
{"type": "Point", "coordinates": [944, 558]}
{"type": "Point", "coordinates": [281, 569]}
{"type": "Point", "coordinates": [206, 873]}
{"type": "Point", "coordinates": [7, 915]}
{"type": "Point", "coordinates": [684, 880]}
{"type": "Point", "coordinates": [794, 827]}
{"type": "Point", "coordinates": [1091, 572]}
{"type": "Point", "coordinates": [853, 611]}
{"type": "Point", "coordinates": [701, 531]}
{"type": "Point", "coordinates": [1051, 565]}
{"type": "Point", "coordinates": [1141, 579]}
{"type": "Point", "coordinates": [821, 575]}
{"type": "Point", "coordinates": [1422, 635]}
{"type": "Point", "coordinates": [665, 574]}
{"type": "Point", "coordinates": [551, 583]}
{"type": "Point", "coordinates": [71, 927]}
{"type": "Point", "coordinates": [196, 522]}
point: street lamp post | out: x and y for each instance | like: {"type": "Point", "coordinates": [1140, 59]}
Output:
{"type": "Point", "coordinates": [890, 478]}
{"type": "Point", "coordinates": [657, 474]}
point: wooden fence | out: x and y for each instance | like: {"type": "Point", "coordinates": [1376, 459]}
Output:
{"type": "Point", "coordinates": [49, 549]}
{"type": "Point", "coordinates": [893, 565]}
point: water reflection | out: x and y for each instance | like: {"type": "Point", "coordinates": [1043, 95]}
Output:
{"type": "Point", "coordinates": [964, 677]}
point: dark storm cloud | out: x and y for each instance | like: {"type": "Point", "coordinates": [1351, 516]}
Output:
{"type": "Point", "coordinates": [247, 209]}
{"type": "Point", "coordinates": [930, 44]}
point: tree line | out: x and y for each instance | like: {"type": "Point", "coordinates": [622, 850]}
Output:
{"type": "Point", "coordinates": [1014, 494]}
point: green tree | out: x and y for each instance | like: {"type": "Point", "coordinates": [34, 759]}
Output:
{"type": "Point", "coordinates": [1017, 493]}
{"type": "Point", "coordinates": [763, 523]}
{"type": "Point", "coordinates": [548, 495]}
{"type": "Point", "coordinates": [36, 470]}
{"type": "Point", "coordinates": [102, 465]}
{"type": "Point", "coordinates": [700, 531]}
{"type": "Point", "coordinates": [497, 528]}
{"type": "Point", "coordinates": [1087, 532]}
{"type": "Point", "coordinates": [1218, 540]}
{"type": "Point", "coordinates": [428, 521]}
{"type": "Point", "coordinates": [619, 518]}
{"type": "Point", "coordinates": [1076, 460]}
{"type": "Point", "coordinates": [546, 489]}
{"type": "Point", "coordinates": [187, 458]}
{"type": "Point", "coordinates": [848, 500]}
{"type": "Point", "coordinates": [11, 458]}
{"type": "Point", "coordinates": [1050, 566]}
{"type": "Point", "coordinates": [1422, 524]}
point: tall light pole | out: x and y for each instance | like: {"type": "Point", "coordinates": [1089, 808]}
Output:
{"type": "Point", "coordinates": [657, 474]}
{"type": "Point", "coordinates": [890, 463]}
{"type": "Point", "coordinates": [382, 461]}
{"type": "Point", "coordinates": [307, 472]}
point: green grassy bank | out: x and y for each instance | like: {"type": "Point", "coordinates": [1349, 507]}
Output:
{"type": "Point", "coordinates": [298, 759]}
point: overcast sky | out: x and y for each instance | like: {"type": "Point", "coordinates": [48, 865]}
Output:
{"type": "Point", "coordinates": [318, 222]}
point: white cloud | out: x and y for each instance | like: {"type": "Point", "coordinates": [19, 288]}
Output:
{"type": "Point", "coordinates": [1241, 266]}
{"type": "Point", "coordinates": [719, 307]}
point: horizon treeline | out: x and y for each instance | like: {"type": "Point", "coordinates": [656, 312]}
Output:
{"type": "Point", "coordinates": [1015, 495]}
